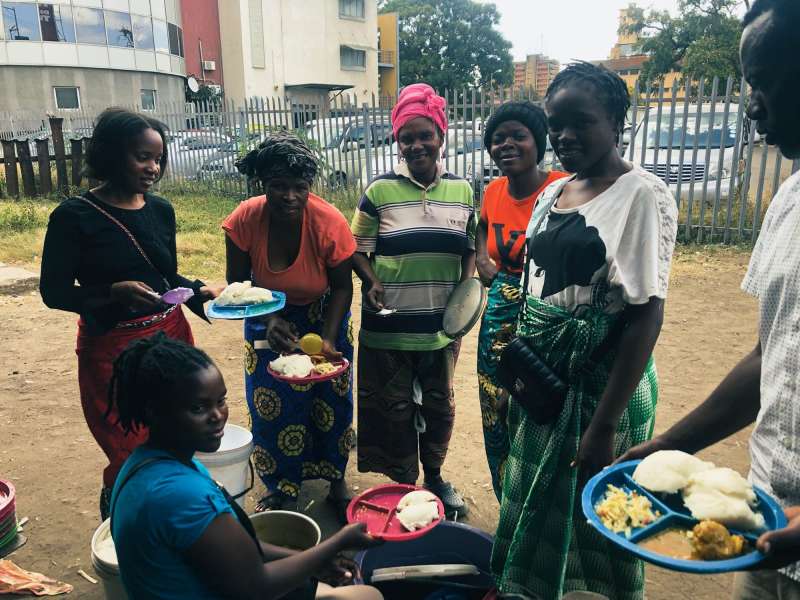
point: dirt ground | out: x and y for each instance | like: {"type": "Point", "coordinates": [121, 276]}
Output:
{"type": "Point", "coordinates": [47, 451]}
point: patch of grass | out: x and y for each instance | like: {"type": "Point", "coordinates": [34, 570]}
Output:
{"type": "Point", "coordinates": [19, 216]}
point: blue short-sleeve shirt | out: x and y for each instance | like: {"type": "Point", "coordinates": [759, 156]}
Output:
{"type": "Point", "coordinates": [159, 513]}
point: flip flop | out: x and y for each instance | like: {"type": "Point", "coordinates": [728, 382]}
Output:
{"type": "Point", "coordinates": [274, 501]}
{"type": "Point", "coordinates": [452, 500]}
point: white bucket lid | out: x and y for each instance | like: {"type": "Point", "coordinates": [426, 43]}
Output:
{"type": "Point", "coordinates": [234, 438]}
{"type": "Point", "coordinates": [104, 554]}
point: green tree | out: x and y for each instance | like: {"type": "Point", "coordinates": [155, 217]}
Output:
{"type": "Point", "coordinates": [703, 41]}
{"type": "Point", "coordinates": [451, 43]}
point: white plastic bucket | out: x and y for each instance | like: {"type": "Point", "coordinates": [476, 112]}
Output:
{"type": "Point", "coordinates": [104, 561]}
{"type": "Point", "coordinates": [230, 465]}
{"type": "Point", "coordinates": [287, 529]}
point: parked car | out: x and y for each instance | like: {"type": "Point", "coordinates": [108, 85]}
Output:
{"type": "Point", "coordinates": [691, 170]}
{"type": "Point", "coordinates": [188, 152]}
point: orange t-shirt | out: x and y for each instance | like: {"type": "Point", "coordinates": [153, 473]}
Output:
{"type": "Point", "coordinates": [507, 219]}
{"type": "Point", "coordinates": [326, 242]}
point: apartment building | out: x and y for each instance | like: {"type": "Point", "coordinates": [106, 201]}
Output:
{"type": "Point", "coordinates": [66, 55]}
{"type": "Point", "coordinates": [304, 51]}
{"type": "Point", "coordinates": [203, 45]}
{"type": "Point", "coordinates": [388, 58]}
{"type": "Point", "coordinates": [627, 60]}
{"type": "Point", "coordinates": [535, 73]}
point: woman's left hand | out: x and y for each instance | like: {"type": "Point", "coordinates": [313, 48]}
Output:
{"type": "Point", "coordinates": [340, 571]}
{"type": "Point", "coordinates": [595, 453]}
{"type": "Point", "coordinates": [329, 351]}
{"type": "Point", "coordinates": [208, 292]}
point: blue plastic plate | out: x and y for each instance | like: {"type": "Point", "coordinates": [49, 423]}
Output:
{"type": "Point", "coordinates": [243, 311]}
{"type": "Point", "coordinates": [673, 514]}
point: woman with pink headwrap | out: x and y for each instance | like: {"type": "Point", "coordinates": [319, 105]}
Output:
{"type": "Point", "coordinates": [415, 235]}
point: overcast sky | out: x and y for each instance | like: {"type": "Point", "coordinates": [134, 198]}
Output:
{"type": "Point", "coordinates": [566, 29]}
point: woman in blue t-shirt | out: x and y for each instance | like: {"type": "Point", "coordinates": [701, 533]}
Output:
{"type": "Point", "coordinates": [176, 534]}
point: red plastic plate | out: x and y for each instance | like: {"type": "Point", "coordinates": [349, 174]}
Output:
{"type": "Point", "coordinates": [341, 367]}
{"type": "Point", "coordinates": [377, 506]}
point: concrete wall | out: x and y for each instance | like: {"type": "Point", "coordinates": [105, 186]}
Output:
{"type": "Point", "coordinates": [389, 77]}
{"type": "Point", "coordinates": [300, 42]}
{"type": "Point", "coordinates": [31, 88]}
{"type": "Point", "coordinates": [201, 24]}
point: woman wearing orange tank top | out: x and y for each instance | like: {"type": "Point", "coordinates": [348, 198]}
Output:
{"type": "Point", "coordinates": [515, 137]}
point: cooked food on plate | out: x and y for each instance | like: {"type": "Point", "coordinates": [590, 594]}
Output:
{"type": "Point", "coordinates": [668, 471]}
{"type": "Point", "coordinates": [415, 497]}
{"type": "Point", "coordinates": [292, 365]}
{"type": "Point", "coordinates": [243, 292]}
{"type": "Point", "coordinates": [417, 509]}
{"type": "Point", "coordinates": [713, 541]}
{"type": "Point", "coordinates": [621, 510]}
{"type": "Point", "coordinates": [724, 496]}
{"type": "Point", "coordinates": [708, 540]}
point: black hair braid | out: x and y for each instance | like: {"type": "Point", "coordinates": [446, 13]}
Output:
{"type": "Point", "coordinates": [150, 371]}
{"type": "Point", "coordinates": [612, 90]}
{"type": "Point", "coordinates": [281, 155]}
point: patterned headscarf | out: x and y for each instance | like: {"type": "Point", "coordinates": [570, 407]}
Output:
{"type": "Point", "coordinates": [282, 155]}
{"type": "Point", "coordinates": [419, 100]}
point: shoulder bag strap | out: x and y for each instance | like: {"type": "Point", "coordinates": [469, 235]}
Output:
{"type": "Point", "coordinates": [529, 250]}
{"type": "Point", "coordinates": [128, 233]}
{"type": "Point", "coordinates": [128, 476]}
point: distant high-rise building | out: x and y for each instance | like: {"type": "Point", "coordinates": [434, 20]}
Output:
{"type": "Point", "coordinates": [535, 73]}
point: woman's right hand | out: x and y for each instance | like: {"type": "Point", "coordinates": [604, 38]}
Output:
{"type": "Point", "coordinates": [135, 295]}
{"type": "Point", "coordinates": [375, 295]}
{"type": "Point", "coordinates": [487, 270]}
{"type": "Point", "coordinates": [281, 335]}
{"type": "Point", "coordinates": [355, 537]}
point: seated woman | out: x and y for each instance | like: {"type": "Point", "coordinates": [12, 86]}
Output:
{"type": "Point", "coordinates": [293, 241]}
{"type": "Point", "coordinates": [176, 533]}
{"type": "Point", "coordinates": [594, 286]}
{"type": "Point", "coordinates": [515, 137]}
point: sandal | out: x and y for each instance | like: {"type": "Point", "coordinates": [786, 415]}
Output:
{"type": "Point", "coordinates": [273, 501]}
{"type": "Point", "coordinates": [452, 500]}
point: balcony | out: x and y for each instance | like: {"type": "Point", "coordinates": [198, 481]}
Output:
{"type": "Point", "coordinates": [385, 59]}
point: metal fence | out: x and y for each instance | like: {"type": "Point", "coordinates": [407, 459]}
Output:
{"type": "Point", "coordinates": [695, 136]}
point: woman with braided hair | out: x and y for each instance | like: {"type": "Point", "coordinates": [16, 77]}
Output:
{"type": "Point", "coordinates": [594, 283]}
{"type": "Point", "coordinates": [515, 137]}
{"type": "Point", "coordinates": [179, 535]}
{"type": "Point", "coordinates": [293, 241]}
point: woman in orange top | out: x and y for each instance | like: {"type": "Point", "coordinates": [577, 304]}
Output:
{"type": "Point", "coordinates": [515, 137]}
{"type": "Point", "coordinates": [293, 241]}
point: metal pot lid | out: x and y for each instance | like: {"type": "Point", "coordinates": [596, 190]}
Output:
{"type": "Point", "coordinates": [464, 308]}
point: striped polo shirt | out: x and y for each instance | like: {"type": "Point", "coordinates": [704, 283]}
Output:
{"type": "Point", "coordinates": [416, 238]}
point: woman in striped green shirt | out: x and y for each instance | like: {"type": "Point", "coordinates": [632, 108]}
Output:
{"type": "Point", "coordinates": [415, 235]}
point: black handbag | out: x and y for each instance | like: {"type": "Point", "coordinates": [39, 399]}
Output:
{"type": "Point", "coordinates": [530, 380]}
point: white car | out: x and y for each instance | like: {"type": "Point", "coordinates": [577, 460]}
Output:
{"type": "Point", "coordinates": [702, 137]}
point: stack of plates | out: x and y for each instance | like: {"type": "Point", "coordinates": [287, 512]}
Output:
{"type": "Point", "coordinates": [8, 514]}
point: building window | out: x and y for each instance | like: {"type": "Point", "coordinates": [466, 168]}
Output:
{"type": "Point", "coordinates": [351, 9]}
{"type": "Point", "coordinates": [21, 21]}
{"type": "Point", "coordinates": [89, 26]}
{"type": "Point", "coordinates": [160, 35]}
{"type": "Point", "coordinates": [352, 59]}
{"type": "Point", "coordinates": [56, 23]}
{"type": "Point", "coordinates": [67, 98]}
{"type": "Point", "coordinates": [175, 40]}
{"type": "Point", "coordinates": [143, 33]}
{"type": "Point", "coordinates": [148, 99]}
{"type": "Point", "coordinates": [120, 31]}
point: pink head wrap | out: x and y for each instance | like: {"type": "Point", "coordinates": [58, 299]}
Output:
{"type": "Point", "coordinates": [419, 100]}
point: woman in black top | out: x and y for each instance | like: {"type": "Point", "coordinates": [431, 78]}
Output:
{"type": "Point", "coordinates": [117, 242]}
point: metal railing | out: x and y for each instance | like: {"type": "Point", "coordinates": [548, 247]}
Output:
{"type": "Point", "coordinates": [699, 140]}
{"type": "Point", "coordinates": [386, 57]}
